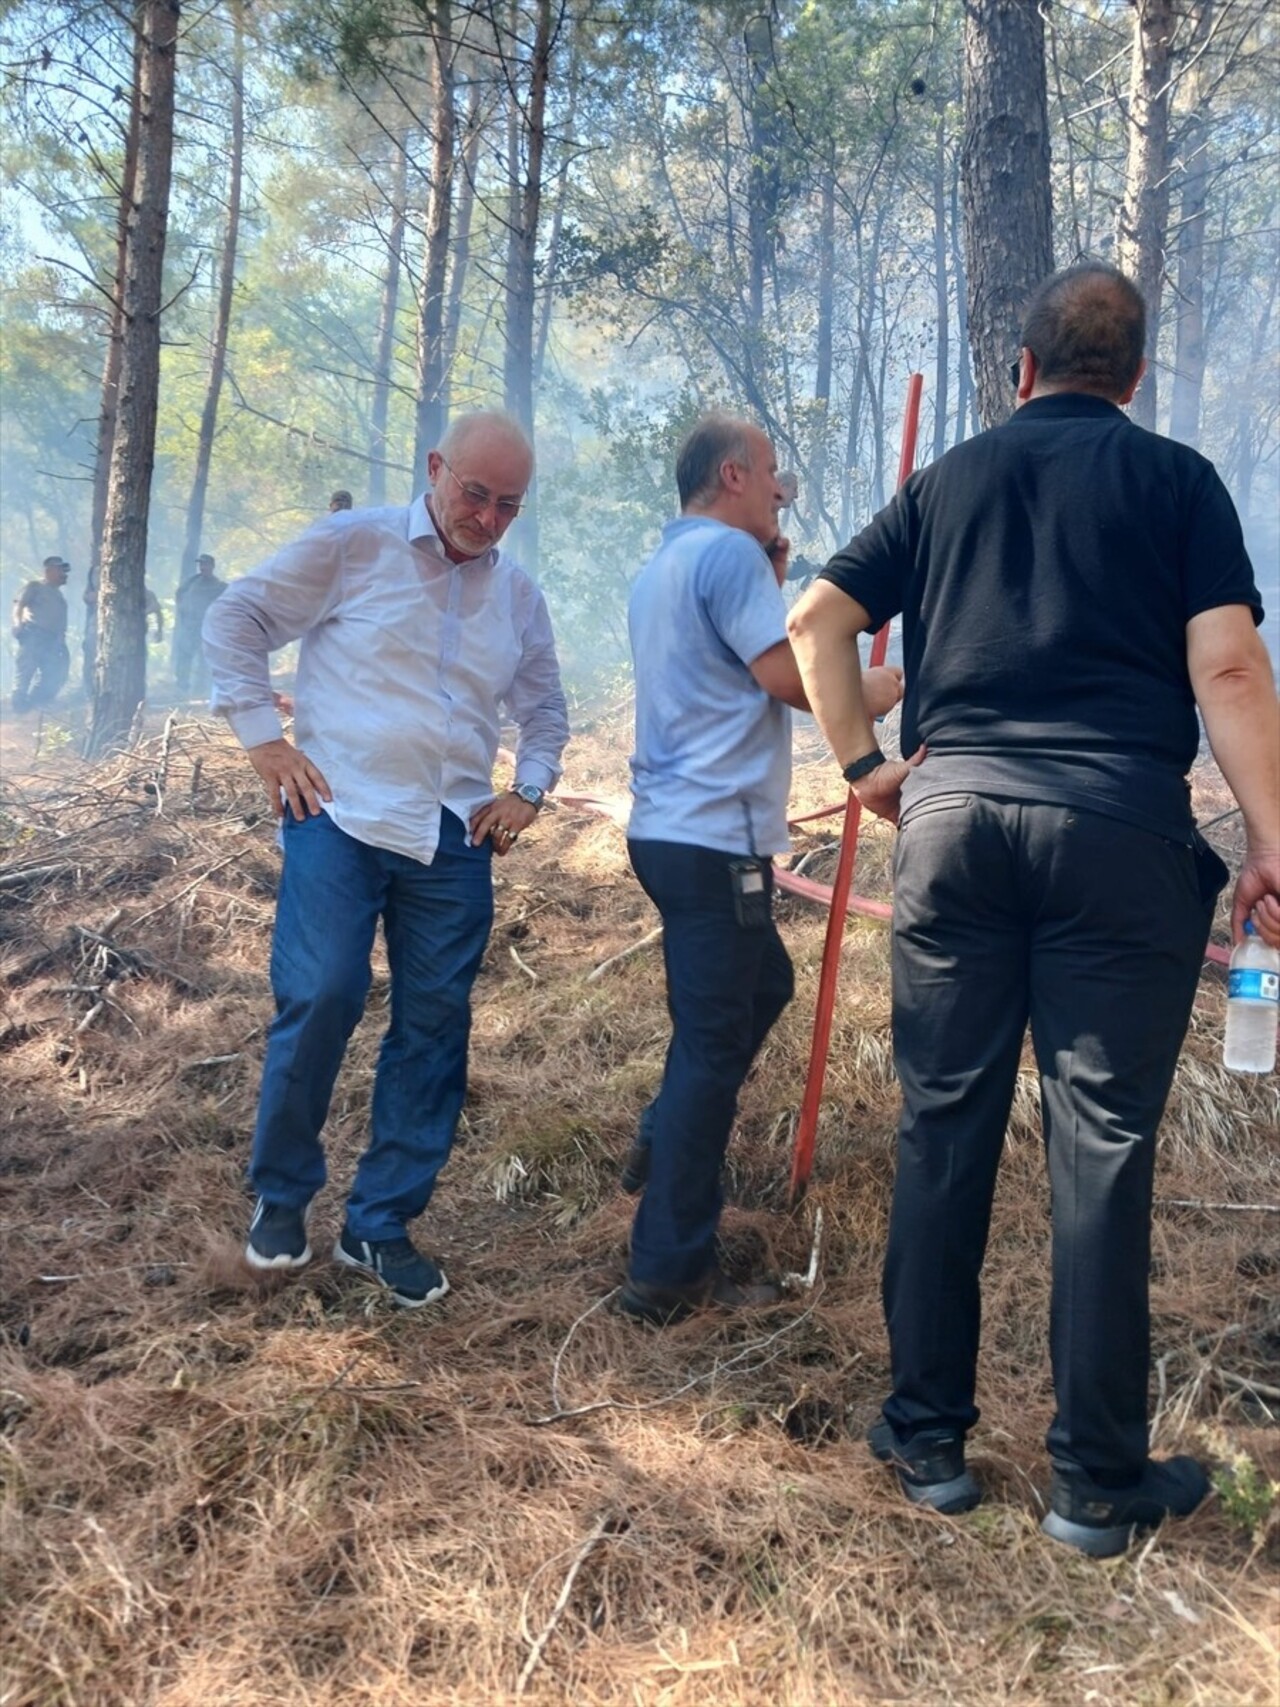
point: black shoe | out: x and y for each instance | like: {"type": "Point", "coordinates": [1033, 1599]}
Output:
{"type": "Point", "coordinates": [662, 1305]}
{"type": "Point", "coordinates": [277, 1237]}
{"type": "Point", "coordinates": [930, 1467]}
{"type": "Point", "coordinates": [635, 1170]}
{"type": "Point", "coordinates": [410, 1278]}
{"type": "Point", "coordinates": [1101, 1521]}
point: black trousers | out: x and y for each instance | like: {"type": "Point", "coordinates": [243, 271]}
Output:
{"type": "Point", "coordinates": [727, 982]}
{"type": "Point", "coordinates": [1094, 931]}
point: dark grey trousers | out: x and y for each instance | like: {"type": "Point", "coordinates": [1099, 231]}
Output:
{"type": "Point", "coordinates": [1094, 931]}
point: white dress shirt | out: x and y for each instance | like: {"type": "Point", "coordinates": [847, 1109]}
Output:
{"type": "Point", "coordinates": [405, 661]}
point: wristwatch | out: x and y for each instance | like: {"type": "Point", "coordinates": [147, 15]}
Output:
{"type": "Point", "coordinates": [526, 791]}
{"type": "Point", "coordinates": [864, 766]}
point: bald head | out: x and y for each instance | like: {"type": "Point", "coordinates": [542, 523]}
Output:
{"type": "Point", "coordinates": [490, 428]}
{"type": "Point", "coordinates": [1086, 327]}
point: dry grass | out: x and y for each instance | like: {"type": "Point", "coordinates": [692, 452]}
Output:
{"type": "Point", "coordinates": [225, 1491]}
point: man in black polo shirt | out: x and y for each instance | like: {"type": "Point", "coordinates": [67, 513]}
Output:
{"type": "Point", "coordinates": [1071, 587]}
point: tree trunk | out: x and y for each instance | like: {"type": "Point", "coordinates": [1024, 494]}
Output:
{"type": "Point", "coordinates": [1189, 360]}
{"type": "Point", "coordinates": [384, 341]}
{"type": "Point", "coordinates": [226, 288]}
{"type": "Point", "coordinates": [1144, 213]}
{"type": "Point", "coordinates": [557, 223]}
{"type": "Point", "coordinates": [460, 248]}
{"type": "Point", "coordinates": [111, 361]}
{"type": "Point", "coordinates": [942, 365]}
{"type": "Point", "coordinates": [430, 421]}
{"type": "Point", "coordinates": [823, 359]}
{"type": "Point", "coordinates": [763, 177]}
{"type": "Point", "coordinates": [525, 160]}
{"type": "Point", "coordinates": [1008, 213]}
{"type": "Point", "coordinates": [964, 378]}
{"type": "Point", "coordinates": [120, 673]}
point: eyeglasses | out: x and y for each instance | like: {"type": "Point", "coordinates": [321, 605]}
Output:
{"type": "Point", "coordinates": [481, 497]}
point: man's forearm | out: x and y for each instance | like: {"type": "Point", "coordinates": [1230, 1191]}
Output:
{"type": "Point", "coordinates": [824, 628]}
{"type": "Point", "coordinates": [1242, 721]}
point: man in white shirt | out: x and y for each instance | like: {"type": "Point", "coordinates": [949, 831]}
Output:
{"type": "Point", "coordinates": [417, 634]}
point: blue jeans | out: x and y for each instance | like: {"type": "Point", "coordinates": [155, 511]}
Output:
{"type": "Point", "coordinates": [726, 985]}
{"type": "Point", "coordinates": [436, 919]}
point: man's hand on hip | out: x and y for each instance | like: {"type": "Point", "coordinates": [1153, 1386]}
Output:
{"type": "Point", "coordinates": [289, 777]}
{"type": "Point", "coordinates": [880, 791]}
{"type": "Point", "coordinates": [502, 821]}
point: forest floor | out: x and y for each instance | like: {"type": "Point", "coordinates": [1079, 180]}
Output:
{"type": "Point", "coordinates": [220, 1490]}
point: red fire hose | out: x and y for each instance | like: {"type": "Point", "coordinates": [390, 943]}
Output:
{"type": "Point", "coordinates": [807, 1126]}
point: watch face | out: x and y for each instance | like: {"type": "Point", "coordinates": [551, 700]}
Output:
{"type": "Point", "coordinates": [528, 793]}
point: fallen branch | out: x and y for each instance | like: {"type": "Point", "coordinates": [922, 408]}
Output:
{"type": "Point", "coordinates": [1246, 1383]}
{"type": "Point", "coordinates": [1203, 1203]}
{"type": "Point", "coordinates": [32, 874]}
{"type": "Point", "coordinates": [626, 954]}
{"type": "Point", "coordinates": [528, 971]}
{"type": "Point", "coordinates": [598, 1533]}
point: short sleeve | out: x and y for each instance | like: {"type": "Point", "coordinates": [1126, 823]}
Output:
{"type": "Point", "coordinates": [1216, 569]}
{"type": "Point", "coordinates": [872, 568]}
{"type": "Point", "coordinates": [740, 594]}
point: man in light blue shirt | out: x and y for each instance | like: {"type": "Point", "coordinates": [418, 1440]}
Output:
{"type": "Point", "coordinates": [710, 775]}
{"type": "Point", "coordinates": [417, 635]}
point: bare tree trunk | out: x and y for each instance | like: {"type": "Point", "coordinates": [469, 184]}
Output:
{"type": "Point", "coordinates": [384, 340]}
{"type": "Point", "coordinates": [460, 248]}
{"type": "Point", "coordinates": [530, 118]}
{"type": "Point", "coordinates": [763, 177]}
{"type": "Point", "coordinates": [940, 289]}
{"type": "Point", "coordinates": [1189, 360]}
{"type": "Point", "coordinates": [226, 288]}
{"type": "Point", "coordinates": [823, 361]}
{"type": "Point", "coordinates": [1008, 212]}
{"type": "Point", "coordinates": [1144, 213]}
{"type": "Point", "coordinates": [111, 361]}
{"type": "Point", "coordinates": [430, 421]}
{"type": "Point", "coordinates": [120, 674]}
{"type": "Point", "coordinates": [557, 224]}
{"type": "Point", "coordinates": [965, 396]}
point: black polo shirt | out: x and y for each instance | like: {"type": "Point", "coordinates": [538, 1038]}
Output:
{"type": "Point", "coordinates": [1046, 572]}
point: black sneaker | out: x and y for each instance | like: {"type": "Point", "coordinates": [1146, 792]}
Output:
{"type": "Point", "coordinates": [930, 1467]}
{"type": "Point", "coordinates": [1101, 1521]}
{"type": "Point", "coordinates": [635, 1170]}
{"type": "Point", "coordinates": [277, 1237]}
{"type": "Point", "coordinates": [410, 1278]}
{"type": "Point", "coordinates": [663, 1305]}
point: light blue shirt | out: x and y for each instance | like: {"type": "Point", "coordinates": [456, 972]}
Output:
{"type": "Point", "coordinates": [406, 665]}
{"type": "Point", "coordinates": [712, 764]}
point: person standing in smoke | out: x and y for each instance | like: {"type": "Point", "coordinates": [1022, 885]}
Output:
{"type": "Point", "coordinates": [710, 777]}
{"type": "Point", "coordinates": [194, 597]}
{"type": "Point", "coordinates": [40, 637]}
{"type": "Point", "coordinates": [417, 636]}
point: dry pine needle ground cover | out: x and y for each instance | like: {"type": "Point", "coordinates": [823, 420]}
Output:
{"type": "Point", "coordinates": [221, 1491]}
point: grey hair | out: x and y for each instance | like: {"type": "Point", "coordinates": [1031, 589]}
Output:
{"type": "Point", "coordinates": [712, 441]}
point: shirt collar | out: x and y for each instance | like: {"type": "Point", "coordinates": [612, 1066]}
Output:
{"type": "Point", "coordinates": [420, 528]}
{"type": "Point", "coordinates": [1065, 405]}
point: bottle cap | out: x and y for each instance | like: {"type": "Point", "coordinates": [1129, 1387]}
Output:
{"type": "Point", "coordinates": [1250, 929]}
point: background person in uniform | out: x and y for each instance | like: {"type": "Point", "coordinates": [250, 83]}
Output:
{"type": "Point", "coordinates": [1071, 587]}
{"type": "Point", "coordinates": [710, 776]}
{"type": "Point", "coordinates": [190, 606]}
{"type": "Point", "coordinates": [40, 637]}
{"type": "Point", "coordinates": [417, 635]}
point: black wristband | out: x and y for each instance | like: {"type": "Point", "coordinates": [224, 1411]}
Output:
{"type": "Point", "coordinates": [864, 766]}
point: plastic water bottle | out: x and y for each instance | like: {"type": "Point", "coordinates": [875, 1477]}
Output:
{"type": "Point", "coordinates": [1253, 1003]}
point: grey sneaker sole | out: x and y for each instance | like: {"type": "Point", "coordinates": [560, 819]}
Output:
{"type": "Point", "coordinates": [951, 1498]}
{"type": "Point", "coordinates": [398, 1298]}
{"type": "Point", "coordinates": [255, 1259]}
{"type": "Point", "coordinates": [1097, 1543]}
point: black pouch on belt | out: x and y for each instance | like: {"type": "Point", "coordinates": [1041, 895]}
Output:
{"type": "Point", "coordinates": [750, 892]}
{"type": "Point", "coordinates": [1211, 871]}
